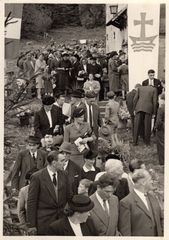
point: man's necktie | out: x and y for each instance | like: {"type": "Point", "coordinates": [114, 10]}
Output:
{"type": "Point", "coordinates": [148, 201]}
{"type": "Point", "coordinates": [34, 159]}
{"type": "Point", "coordinates": [105, 207]}
{"type": "Point", "coordinates": [90, 116]}
{"type": "Point", "coordinates": [54, 179]}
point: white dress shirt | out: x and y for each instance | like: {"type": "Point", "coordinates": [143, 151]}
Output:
{"type": "Point", "coordinates": [51, 174]}
{"type": "Point", "coordinates": [48, 113]}
{"type": "Point", "coordinates": [35, 154]}
{"type": "Point", "coordinates": [142, 197]}
{"type": "Point", "coordinates": [151, 82]}
{"type": "Point", "coordinates": [101, 201]}
{"type": "Point", "coordinates": [88, 170]}
{"type": "Point", "coordinates": [76, 228]}
{"type": "Point", "coordinates": [88, 114]}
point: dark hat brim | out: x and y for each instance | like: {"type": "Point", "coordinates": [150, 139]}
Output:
{"type": "Point", "coordinates": [81, 209]}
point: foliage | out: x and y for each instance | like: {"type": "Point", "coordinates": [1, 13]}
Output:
{"type": "Point", "coordinates": [40, 18]}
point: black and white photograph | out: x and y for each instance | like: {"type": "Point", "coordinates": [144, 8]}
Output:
{"type": "Point", "coordinates": [84, 119]}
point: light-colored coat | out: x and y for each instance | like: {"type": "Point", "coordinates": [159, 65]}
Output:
{"type": "Point", "coordinates": [135, 219]}
{"type": "Point", "coordinates": [104, 225]}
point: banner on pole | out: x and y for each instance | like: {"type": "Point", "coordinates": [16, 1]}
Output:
{"type": "Point", "coordinates": [13, 18]}
{"type": "Point", "coordinates": [143, 41]}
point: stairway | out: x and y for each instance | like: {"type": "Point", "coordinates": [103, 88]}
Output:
{"type": "Point", "coordinates": [102, 105]}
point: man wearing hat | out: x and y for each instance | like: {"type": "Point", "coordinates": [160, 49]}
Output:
{"type": "Point", "coordinates": [97, 72]}
{"type": "Point", "coordinates": [92, 112]}
{"type": "Point", "coordinates": [76, 99]}
{"type": "Point", "coordinates": [77, 221]}
{"type": "Point", "coordinates": [72, 169]}
{"type": "Point", "coordinates": [26, 160]}
{"type": "Point", "coordinates": [47, 118]}
{"type": "Point", "coordinates": [113, 75]}
{"type": "Point", "coordinates": [49, 192]}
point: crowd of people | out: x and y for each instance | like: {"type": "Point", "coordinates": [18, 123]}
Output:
{"type": "Point", "coordinates": [66, 68]}
{"type": "Point", "coordinates": [65, 186]}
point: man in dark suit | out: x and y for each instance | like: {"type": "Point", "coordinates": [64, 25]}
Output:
{"type": "Point", "coordinates": [48, 118]}
{"type": "Point", "coordinates": [27, 159]}
{"type": "Point", "coordinates": [140, 213]}
{"type": "Point", "coordinates": [49, 192]}
{"type": "Point", "coordinates": [129, 102]}
{"type": "Point", "coordinates": [145, 107]}
{"type": "Point", "coordinates": [92, 112]}
{"type": "Point", "coordinates": [154, 82]}
{"type": "Point", "coordinates": [72, 169]}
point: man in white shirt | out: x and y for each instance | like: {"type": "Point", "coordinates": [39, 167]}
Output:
{"type": "Point", "coordinates": [140, 213]}
{"type": "Point", "coordinates": [105, 211]}
{"type": "Point", "coordinates": [152, 81]}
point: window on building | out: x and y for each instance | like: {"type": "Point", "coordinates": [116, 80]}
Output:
{"type": "Point", "coordinates": [114, 9]}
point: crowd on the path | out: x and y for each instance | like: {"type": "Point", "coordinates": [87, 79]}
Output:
{"type": "Point", "coordinates": [66, 186]}
{"type": "Point", "coordinates": [66, 68]}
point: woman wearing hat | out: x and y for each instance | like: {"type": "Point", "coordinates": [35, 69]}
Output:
{"type": "Point", "coordinates": [111, 112]}
{"type": "Point", "coordinates": [76, 221]}
{"type": "Point", "coordinates": [78, 129]}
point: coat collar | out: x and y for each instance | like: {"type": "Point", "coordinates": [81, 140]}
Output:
{"type": "Point", "coordinates": [140, 204]}
{"type": "Point", "coordinates": [98, 210]}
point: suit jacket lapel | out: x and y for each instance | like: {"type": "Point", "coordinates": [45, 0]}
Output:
{"type": "Point", "coordinates": [29, 159]}
{"type": "Point", "coordinates": [99, 211]}
{"type": "Point", "coordinates": [53, 116]}
{"type": "Point", "coordinates": [67, 228]}
{"type": "Point", "coordinates": [49, 184]}
{"type": "Point", "coordinates": [45, 116]}
{"type": "Point", "coordinates": [112, 217]}
{"type": "Point", "coordinates": [141, 205]}
{"type": "Point", "coordinates": [154, 210]}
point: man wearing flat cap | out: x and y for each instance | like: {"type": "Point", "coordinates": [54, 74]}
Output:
{"type": "Point", "coordinates": [26, 160]}
{"type": "Point", "coordinates": [46, 118]}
